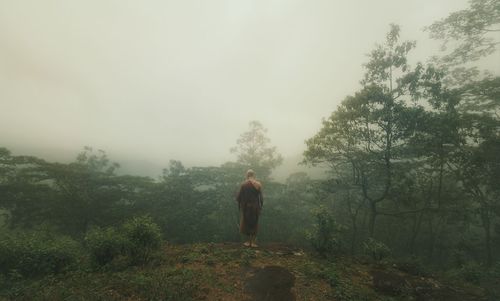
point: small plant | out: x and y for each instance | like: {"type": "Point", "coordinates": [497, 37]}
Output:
{"type": "Point", "coordinates": [33, 253]}
{"type": "Point", "coordinates": [495, 270]}
{"type": "Point", "coordinates": [342, 287]}
{"type": "Point", "coordinates": [135, 241]}
{"type": "Point", "coordinates": [472, 272]}
{"type": "Point", "coordinates": [105, 245]}
{"type": "Point", "coordinates": [377, 250]}
{"type": "Point", "coordinates": [144, 237]}
{"type": "Point", "coordinates": [326, 238]}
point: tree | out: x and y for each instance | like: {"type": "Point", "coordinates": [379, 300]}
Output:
{"type": "Point", "coordinates": [23, 193]}
{"type": "Point", "coordinates": [475, 29]}
{"type": "Point", "coordinates": [477, 109]}
{"type": "Point", "coordinates": [253, 151]}
{"type": "Point", "coordinates": [89, 193]}
{"type": "Point", "coordinates": [368, 130]}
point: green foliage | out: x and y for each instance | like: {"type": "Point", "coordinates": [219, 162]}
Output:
{"type": "Point", "coordinates": [30, 254]}
{"type": "Point", "coordinates": [343, 288]}
{"type": "Point", "coordinates": [472, 29]}
{"type": "Point", "coordinates": [105, 244]}
{"type": "Point", "coordinates": [412, 154]}
{"type": "Point", "coordinates": [377, 250]}
{"type": "Point", "coordinates": [326, 238]}
{"type": "Point", "coordinates": [168, 284]}
{"type": "Point", "coordinates": [495, 270]}
{"type": "Point", "coordinates": [471, 272]}
{"type": "Point", "coordinates": [136, 240]}
{"type": "Point", "coordinates": [143, 237]}
{"type": "Point", "coordinates": [253, 151]}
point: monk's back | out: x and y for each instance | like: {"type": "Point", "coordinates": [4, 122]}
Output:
{"type": "Point", "coordinates": [249, 193]}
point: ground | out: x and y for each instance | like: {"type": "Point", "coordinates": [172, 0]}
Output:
{"type": "Point", "coordinates": [229, 271]}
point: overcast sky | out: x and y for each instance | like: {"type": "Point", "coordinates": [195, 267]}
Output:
{"type": "Point", "coordinates": [160, 80]}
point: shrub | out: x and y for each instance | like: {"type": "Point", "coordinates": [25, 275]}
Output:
{"type": "Point", "coordinates": [32, 253]}
{"type": "Point", "coordinates": [342, 287]}
{"type": "Point", "coordinates": [144, 237]}
{"type": "Point", "coordinates": [105, 245]}
{"type": "Point", "coordinates": [135, 241]}
{"type": "Point", "coordinates": [377, 250]}
{"type": "Point", "coordinates": [471, 272]}
{"type": "Point", "coordinates": [326, 238]}
{"type": "Point", "coordinates": [495, 270]}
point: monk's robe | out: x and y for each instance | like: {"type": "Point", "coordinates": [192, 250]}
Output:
{"type": "Point", "coordinates": [250, 202]}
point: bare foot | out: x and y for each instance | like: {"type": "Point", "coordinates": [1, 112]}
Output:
{"type": "Point", "coordinates": [247, 244]}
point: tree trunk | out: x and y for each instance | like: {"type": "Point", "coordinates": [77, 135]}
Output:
{"type": "Point", "coordinates": [417, 221]}
{"type": "Point", "coordinates": [487, 233]}
{"type": "Point", "coordinates": [373, 217]}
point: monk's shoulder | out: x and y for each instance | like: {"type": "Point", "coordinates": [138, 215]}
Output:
{"type": "Point", "coordinates": [245, 184]}
{"type": "Point", "coordinates": [258, 185]}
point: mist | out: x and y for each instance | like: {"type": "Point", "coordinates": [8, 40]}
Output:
{"type": "Point", "coordinates": [250, 150]}
{"type": "Point", "coordinates": [161, 80]}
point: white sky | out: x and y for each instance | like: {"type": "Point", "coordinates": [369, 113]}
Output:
{"type": "Point", "coordinates": [160, 80]}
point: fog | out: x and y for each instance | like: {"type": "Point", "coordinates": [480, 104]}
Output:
{"type": "Point", "coordinates": [150, 81]}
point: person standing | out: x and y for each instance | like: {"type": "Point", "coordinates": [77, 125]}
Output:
{"type": "Point", "coordinates": [250, 202]}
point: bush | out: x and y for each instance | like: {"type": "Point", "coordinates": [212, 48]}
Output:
{"type": "Point", "coordinates": [135, 241]}
{"type": "Point", "coordinates": [377, 250]}
{"type": "Point", "coordinates": [471, 272]}
{"type": "Point", "coordinates": [144, 237]}
{"type": "Point", "coordinates": [105, 245]}
{"type": "Point", "coordinates": [36, 253]}
{"type": "Point", "coordinates": [412, 265]}
{"type": "Point", "coordinates": [495, 270]}
{"type": "Point", "coordinates": [326, 238]}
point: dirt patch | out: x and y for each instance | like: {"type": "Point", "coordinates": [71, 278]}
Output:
{"type": "Point", "coordinates": [271, 283]}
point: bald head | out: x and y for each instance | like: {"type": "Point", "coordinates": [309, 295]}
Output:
{"type": "Point", "coordinates": [250, 174]}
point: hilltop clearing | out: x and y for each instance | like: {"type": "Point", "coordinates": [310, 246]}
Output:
{"type": "Point", "coordinates": [231, 272]}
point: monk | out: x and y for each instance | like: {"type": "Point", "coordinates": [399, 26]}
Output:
{"type": "Point", "coordinates": [250, 203]}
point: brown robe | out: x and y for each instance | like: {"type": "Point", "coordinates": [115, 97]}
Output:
{"type": "Point", "coordinates": [250, 202]}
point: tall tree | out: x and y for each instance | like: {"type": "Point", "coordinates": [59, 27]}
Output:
{"type": "Point", "coordinates": [253, 151]}
{"type": "Point", "coordinates": [368, 129]}
{"type": "Point", "coordinates": [476, 33]}
{"type": "Point", "coordinates": [90, 193]}
{"type": "Point", "coordinates": [475, 30]}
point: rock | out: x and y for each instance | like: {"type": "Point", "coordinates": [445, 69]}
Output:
{"type": "Point", "coordinates": [271, 283]}
{"type": "Point", "coordinates": [389, 283]}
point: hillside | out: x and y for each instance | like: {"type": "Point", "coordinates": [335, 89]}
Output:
{"type": "Point", "coordinates": [230, 272]}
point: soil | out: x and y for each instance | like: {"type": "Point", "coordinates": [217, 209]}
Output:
{"type": "Point", "coordinates": [271, 283]}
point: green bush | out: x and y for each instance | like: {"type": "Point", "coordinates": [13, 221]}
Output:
{"type": "Point", "coordinates": [144, 237]}
{"type": "Point", "coordinates": [377, 250]}
{"type": "Point", "coordinates": [495, 270]}
{"type": "Point", "coordinates": [136, 241]}
{"type": "Point", "coordinates": [326, 238]}
{"type": "Point", "coordinates": [105, 245]}
{"type": "Point", "coordinates": [472, 272]}
{"type": "Point", "coordinates": [31, 254]}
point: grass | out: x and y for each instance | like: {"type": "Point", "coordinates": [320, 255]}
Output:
{"type": "Point", "coordinates": [204, 271]}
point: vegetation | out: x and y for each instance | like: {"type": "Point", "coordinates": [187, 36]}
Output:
{"type": "Point", "coordinates": [413, 185]}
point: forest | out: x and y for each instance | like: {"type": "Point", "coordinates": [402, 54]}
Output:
{"type": "Point", "coordinates": [412, 178]}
